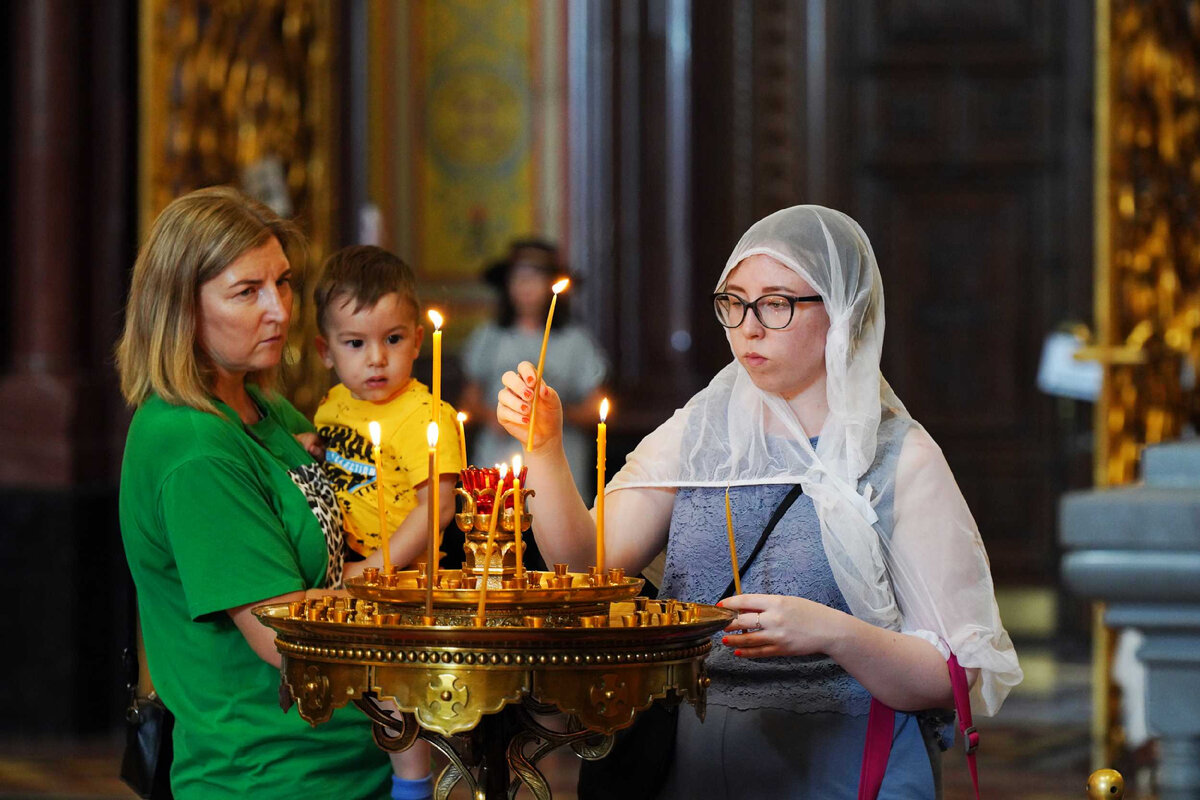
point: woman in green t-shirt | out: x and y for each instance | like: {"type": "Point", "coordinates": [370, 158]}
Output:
{"type": "Point", "coordinates": [222, 509]}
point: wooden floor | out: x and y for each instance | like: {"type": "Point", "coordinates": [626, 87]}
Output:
{"type": "Point", "coordinates": [1037, 749]}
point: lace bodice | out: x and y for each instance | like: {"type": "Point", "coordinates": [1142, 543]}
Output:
{"type": "Point", "coordinates": [792, 562]}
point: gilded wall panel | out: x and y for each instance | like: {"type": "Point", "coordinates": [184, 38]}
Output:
{"type": "Point", "coordinates": [1148, 237]}
{"type": "Point", "coordinates": [467, 138]}
{"type": "Point", "coordinates": [239, 93]}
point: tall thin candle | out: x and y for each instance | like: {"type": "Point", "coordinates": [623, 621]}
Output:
{"type": "Point", "coordinates": [435, 409]}
{"type": "Point", "coordinates": [537, 384]}
{"type": "Point", "coordinates": [518, 512]}
{"type": "Point", "coordinates": [601, 448]}
{"type": "Point", "coordinates": [737, 577]}
{"type": "Point", "coordinates": [497, 503]}
{"type": "Point", "coordinates": [462, 439]}
{"type": "Point", "coordinates": [385, 532]}
{"type": "Point", "coordinates": [431, 436]}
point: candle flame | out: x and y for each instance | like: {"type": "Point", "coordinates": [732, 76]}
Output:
{"type": "Point", "coordinates": [503, 470]}
{"type": "Point", "coordinates": [604, 409]}
{"type": "Point", "coordinates": [376, 435]}
{"type": "Point", "coordinates": [431, 434]}
{"type": "Point", "coordinates": [462, 417]}
{"type": "Point", "coordinates": [436, 319]}
{"type": "Point", "coordinates": [561, 285]}
{"type": "Point", "coordinates": [516, 465]}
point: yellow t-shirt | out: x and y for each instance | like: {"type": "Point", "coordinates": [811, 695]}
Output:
{"type": "Point", "coordinates": [342, 421]}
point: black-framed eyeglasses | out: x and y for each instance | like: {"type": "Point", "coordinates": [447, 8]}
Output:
{"type": "Point", "coordinates": [774, 311]}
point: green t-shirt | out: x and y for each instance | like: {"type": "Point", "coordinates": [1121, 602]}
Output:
{"type": "Point", "coordinates": [211, 520]}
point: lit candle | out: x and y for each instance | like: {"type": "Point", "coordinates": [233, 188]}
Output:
{"type": "Point", "coordinates": [462, 439]}
{"type": "Point", "coordinates": [601, 447]}
{"type": "Point", "coordinates": [737, 577]}
{"type": "Point", "coordinates": [435, 409]}
{"type": "Point", "coordinates": [385, 532]}
{"type": "Point", "coordinates": [537, 384]}
{"type": "Point", "coordinates": [487, 550]}
{"type": "Point", "coordinates": [517, 512]}
{"type": "Point", "coordinates": [431, 435]}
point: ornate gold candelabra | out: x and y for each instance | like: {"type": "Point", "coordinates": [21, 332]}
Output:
{"type": "Point", "coordinates": [583, 644]}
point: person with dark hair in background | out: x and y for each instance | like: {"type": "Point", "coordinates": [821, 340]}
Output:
{"type": "Point", "coordinates": [574, 361]}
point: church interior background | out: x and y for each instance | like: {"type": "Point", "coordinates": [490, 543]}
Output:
{"type": "Point", "coordinates": [1024, 169]}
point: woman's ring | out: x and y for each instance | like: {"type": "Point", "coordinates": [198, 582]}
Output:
{"type": "Point", "coordinates": [757, 622]}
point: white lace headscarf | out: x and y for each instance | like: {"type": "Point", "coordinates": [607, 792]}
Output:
{"type": "Point", "coordinates": [929, 575]}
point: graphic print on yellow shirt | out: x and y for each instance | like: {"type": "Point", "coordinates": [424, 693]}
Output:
{"type": "Point", "coordinates": [342, 421]}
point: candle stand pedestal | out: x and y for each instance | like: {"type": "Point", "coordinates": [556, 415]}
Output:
{"type": "Point", "coordinates": [472, 692]}
{"type": "Point", "coordinates": [425, 663]}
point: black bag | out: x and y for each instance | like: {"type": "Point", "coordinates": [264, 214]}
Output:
{"type": "Point", "coordinates": [637, 766]}
{"type": "Point", "coordinates": [146, 764]}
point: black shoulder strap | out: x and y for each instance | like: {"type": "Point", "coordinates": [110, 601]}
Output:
{"type": "Point", "coordinates": [780, 510]}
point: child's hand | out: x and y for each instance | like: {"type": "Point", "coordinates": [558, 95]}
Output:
{"type": "Point", "coordinates": [313, 444]}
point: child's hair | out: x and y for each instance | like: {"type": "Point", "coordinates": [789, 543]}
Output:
{"type": "Point", "coordinates": [362, 274]}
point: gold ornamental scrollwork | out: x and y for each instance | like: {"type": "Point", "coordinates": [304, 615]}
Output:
{"type": "Point", "coordinates": [610, 695]}
{"type": "Point", "coordinates": [1147, 240]}
{"type": "Point", "coordinates": [319, 689]}
{"type": "Point", "coordinates": [448, 701]}
{"type": "Point", "coordinates": [1147, 258]}
{"type": "Point", "coordinates": [446, 697]}
{"type": "Point", "coordinates": [314, 691]}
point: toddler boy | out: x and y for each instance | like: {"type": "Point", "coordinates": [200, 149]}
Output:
{"type": "Point", "coordinates": [368, 314]}
{"type": "Point", "coordinates": [370, 335]}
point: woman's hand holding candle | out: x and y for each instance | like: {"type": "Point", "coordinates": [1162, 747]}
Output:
{"type": "Point", "coordinates": [514, 404]}
{"type": "Point", "coordinates": [572, 538]}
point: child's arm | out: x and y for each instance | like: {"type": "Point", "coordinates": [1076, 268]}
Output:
{"type": "Point", "coordinates": [313, 444]}
{"type": "Point", "coordinates": [410, 541]}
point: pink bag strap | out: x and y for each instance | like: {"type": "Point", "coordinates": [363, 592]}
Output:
{"type": "Point", "coordinates": [962, 707]}
{"type": "Point", "coordinates": [881, 724]}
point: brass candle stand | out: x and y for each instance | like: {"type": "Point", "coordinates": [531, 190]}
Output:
{"type": "Point", "coordinates": [578, 643]}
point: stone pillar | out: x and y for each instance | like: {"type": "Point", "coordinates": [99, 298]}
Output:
{"type": "Point", "coordinates": [39, 395]}
{"type": "Point", "coordinates": [1137, 548]}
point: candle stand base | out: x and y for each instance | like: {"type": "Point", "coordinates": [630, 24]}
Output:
{"type": "Point", "coordinates": [469, 662]}
{"type": "Point", "coordinates": [472, 692]}
{"type": "Point", "coordinates": [497, 756]}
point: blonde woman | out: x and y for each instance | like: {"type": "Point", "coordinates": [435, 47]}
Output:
{"type": "Point", "coordinates": [222, 509]}
{"type": "Point", "coordinates": [872, 577]}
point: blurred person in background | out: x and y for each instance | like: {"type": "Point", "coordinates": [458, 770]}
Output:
{"type": "Point", "coordinates": [575, 364]}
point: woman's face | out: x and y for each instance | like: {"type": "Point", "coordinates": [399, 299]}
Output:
{"type": "Point", "coordinates": [787, 361]}
{"type": "Point", "coordinates": [245, 310]}
{"type": "Point", "coordinates": [528, 289]}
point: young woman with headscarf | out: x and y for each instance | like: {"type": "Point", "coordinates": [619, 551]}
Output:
{"type": "Point", "coordinates": [872, 579]}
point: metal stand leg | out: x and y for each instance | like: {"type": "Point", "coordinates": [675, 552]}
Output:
{"type": "Point", "coordinates": [494, 759]}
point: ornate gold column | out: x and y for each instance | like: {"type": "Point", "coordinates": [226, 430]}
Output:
{"type": "Point", "coordinates": [241, 93]}
{"type": "Point", "coordinates": [1147, 250]}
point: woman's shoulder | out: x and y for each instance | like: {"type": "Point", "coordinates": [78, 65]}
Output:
{"type": "Point", "coordinates": [164, 432]}
{"type": "Point", "coordinates": [282, 409]}
{"type": "Point", "coordinates": [920, 456]}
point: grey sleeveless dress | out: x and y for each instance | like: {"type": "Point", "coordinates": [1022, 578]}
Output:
{"type": "Point", "coordinates": [781, 727]}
